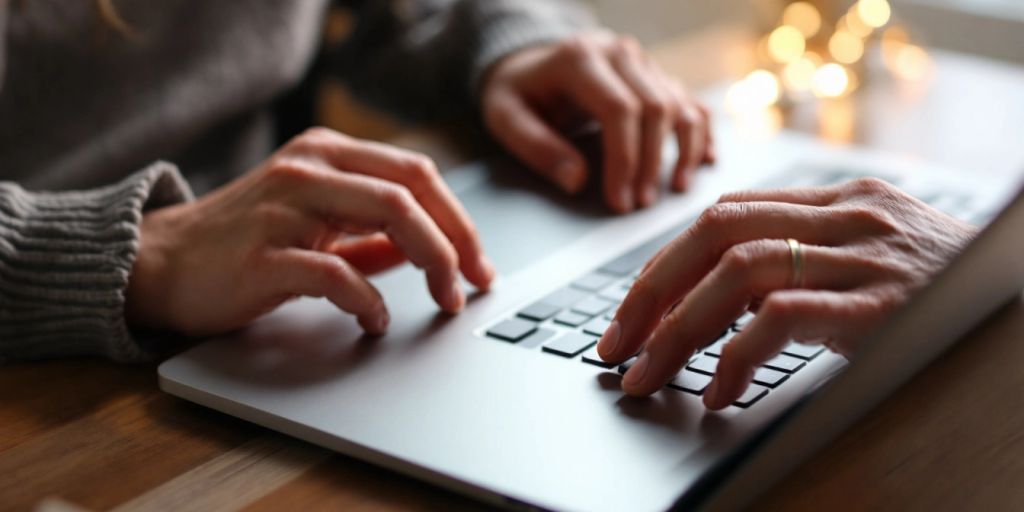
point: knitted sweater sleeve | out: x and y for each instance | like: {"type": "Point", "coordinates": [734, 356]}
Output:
{"type": "Point", "coordinates": [65, 258]}
{"type": "Point", "coordinates": [426, 59]}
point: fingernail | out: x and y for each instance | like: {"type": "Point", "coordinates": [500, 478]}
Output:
{"type": "Point", "coordinates": [711, 393]}
{"type": "Point", "coordinates": [648, 196]}
{"type": "Point", "coordinates": [609, 341]}
{"type": "Point", "coordinates": [456, 299]}
{"type": "Point", "coordinates": [486, 268]}
{"type": "Point", "coordinates": [636, 374]}
{"type": "Point", "coordinates": [381, 321]}
{"type": "Point", "coordinates": [566, 174]}
{"type": "Point", "coordinates": [626, 199]}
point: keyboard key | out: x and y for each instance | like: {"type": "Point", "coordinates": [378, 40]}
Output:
{"type": "Point", "coordinates": [564, 298]}
{"type": "Point", "coordinates": [742, 321]}
{"type": "Point", "coordinates": [751, 395]}
{"type": "Point", "coordinates": [769, 377]}
{"type": "Point", "coordinates": [592, 306]}
{"type": "Point", "coordinates": [784, 363]}
{"type": "Point", "coordinates": [627, 364]}
{"type": "Point", "coordinates": [596, 326]}
{"type": "Point", "coordinates": [513, 329]}
{"type": "Point", "coordinates": [593, 282]}
{"type": "Point", "coordinates": [691, 382]}
{"type": "Point", "coordinates": [610, 314]}
{"type": "Point", "coordinates": [570, 318]}
{"type": "Point", "coordinates": [590, 356]}
{"type": "Point", "coordinates": [715, 349]}
{"type": "Point", "coordinates": [570, 345]}
{"type": "Point", "coordinates": [805, 352]}
{"type": "Point", "coordinates": [537, 339]}
{"type": "Point", "coordinates": [614, 293]}
{"type": "Point", "coordinates": [539, 311]}
{"type": "Point", "coordinates": [704, 364]}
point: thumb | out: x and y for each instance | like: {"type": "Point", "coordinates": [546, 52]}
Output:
{"type": "Point", "coordinates": [368, 254]}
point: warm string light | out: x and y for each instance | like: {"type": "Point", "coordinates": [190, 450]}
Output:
{"type": "Point", "coordinates": [793, 70]}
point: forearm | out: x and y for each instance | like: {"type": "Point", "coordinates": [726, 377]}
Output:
{"type": "Point", "coordinates": [427, 62]}
{"type": "Point", "coordinates": [65, 260]}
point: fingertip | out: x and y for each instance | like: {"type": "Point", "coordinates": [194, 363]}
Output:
{"type": "Point", "coordinates": [621, 199]}
{"type": "Point", "coordinates": [648, 196]}
{"type": "Point", "coordinates": [485, 273]}
{"type": "Point", "coordinates": [570, 175]}
{"type": "Point", "coordinates": [455, 299]}
{"type": "Point", "coordinates": [608, 346]}
{"type": "Point", "coordinates": [377, 323]}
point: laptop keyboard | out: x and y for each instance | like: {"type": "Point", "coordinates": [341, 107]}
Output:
{"type": "Point", "coordinates": [568, 322]}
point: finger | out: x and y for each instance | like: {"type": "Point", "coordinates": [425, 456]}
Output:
{"type": "Point", "coordinates": [344, 198]}
{"type": "Point", "coordinates": [368, 254]}
{"type": "Point", "coordinates": [593, 82]}
{"type": "Point", "coordinates": [746, 272]}
{"type": "Point", "coordinates": [691, 132]}
{"type": "Point", "coordinates": [419, 175]}
{"type": "Point", "coordinates": [657, 109]}
{"type": "Point", "coordinates": [318, 274]}
{"type": "Point", "coordinates": [810, 196]}
{"type": "Point", "coordinates": [710, 155]}
{"type": "Point", "coordinates": [515, 124]}
{"type": "Point", "coordinates": [785, 315]}
{"type": "Point", "coordinates": [688, 258]}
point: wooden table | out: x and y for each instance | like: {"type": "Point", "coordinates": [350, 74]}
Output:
{"type": "Point", "coordinates": [90, 434]}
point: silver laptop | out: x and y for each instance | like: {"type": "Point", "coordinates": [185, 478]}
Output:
{"type": "Point", "coordinates": [508, 402]}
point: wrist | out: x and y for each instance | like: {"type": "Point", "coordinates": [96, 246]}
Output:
{"type": "Point", "coordinates": [145, 295]}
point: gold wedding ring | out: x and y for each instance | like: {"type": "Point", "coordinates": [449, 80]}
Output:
{"type": "Point", "coordinates": [797, 254]}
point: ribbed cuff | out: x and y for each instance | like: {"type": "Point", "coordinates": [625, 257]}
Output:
{"type": "Point", "coordinates": [65, 259]}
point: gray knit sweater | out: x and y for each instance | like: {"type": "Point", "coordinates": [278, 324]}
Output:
{"type": "Point", "coordinates": [89, 120]}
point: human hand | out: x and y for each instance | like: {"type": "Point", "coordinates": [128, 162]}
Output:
{"type": "Point", "coordinates": [866, 247]}
{"type": "Point", "coordinates": [534, 94]}
{"type": "Point", "coordinates": [286, 229]}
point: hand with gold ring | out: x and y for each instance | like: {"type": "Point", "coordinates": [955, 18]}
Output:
{"type": "Point", "coordinates": [863, 248]}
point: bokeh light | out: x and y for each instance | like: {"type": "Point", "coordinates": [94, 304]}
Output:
{"type": "Point", "coordinates": [759, 90]}
{"type": "Point", "coordinates": [875, 13]}
{"type": "Point", "coordinates": [786, 44]}
{"type": "Point", "coordinates": [845, 47]}
{"type": "Point", "coordinates": [851, 22]}
{"type": "Point", "coordinates": [804, 17]}
{"type": "Point", "coordinates": [799, 74]}
{"type": "Point", "coordinates": [912, 63]}
{"type": "Point", "coordinates": [830, 81]}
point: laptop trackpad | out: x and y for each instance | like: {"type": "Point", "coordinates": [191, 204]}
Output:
{"type": "Point", "coordinates": [520, 217]}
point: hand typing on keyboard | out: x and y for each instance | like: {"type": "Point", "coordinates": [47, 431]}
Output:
{"type": "Point", "coordinates": [820, 265]}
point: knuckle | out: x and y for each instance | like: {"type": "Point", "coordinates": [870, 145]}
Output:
{"type": "Point", "coordinates": [421, 168]}
{"type": "Point", "coordinates": [777, 309]}
{"type": "Point", "coordinates": [397, 199]}
{"type": "Point", "coordinates": [656, 108]}
{"type": "Point", "coordinates": [630, 45]}
{"type": "Point", "coordinates": [289, 172]}
{"type": "Point", "coordinates": [718, 216]}
{"type": "Point", "coordinates": [869, 186]}
{"type": "Point", "coordinates": [578, 47]}
{"type": "Point", "coordinates": [740, 259]}
{"type": "Point", "coordinates": [620, 106]}
{"type": "Point", "coordinates": [875, 219]}
{"type": "Point", "coordinates": [317, 136]}
{"type": "Point", "coordinates": [334, 269]}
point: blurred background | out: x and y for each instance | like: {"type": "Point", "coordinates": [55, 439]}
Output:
{"type": "Point", "coordinates": [937, 80]}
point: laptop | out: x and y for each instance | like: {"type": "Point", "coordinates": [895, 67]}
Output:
{"type": "Point", "coordinates": [508, 402]}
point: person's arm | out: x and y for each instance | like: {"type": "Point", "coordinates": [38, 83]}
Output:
{"type": "Point", "coordinates": [426, 59]}
{"type": "Point", "coordinates": [65, 259]}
